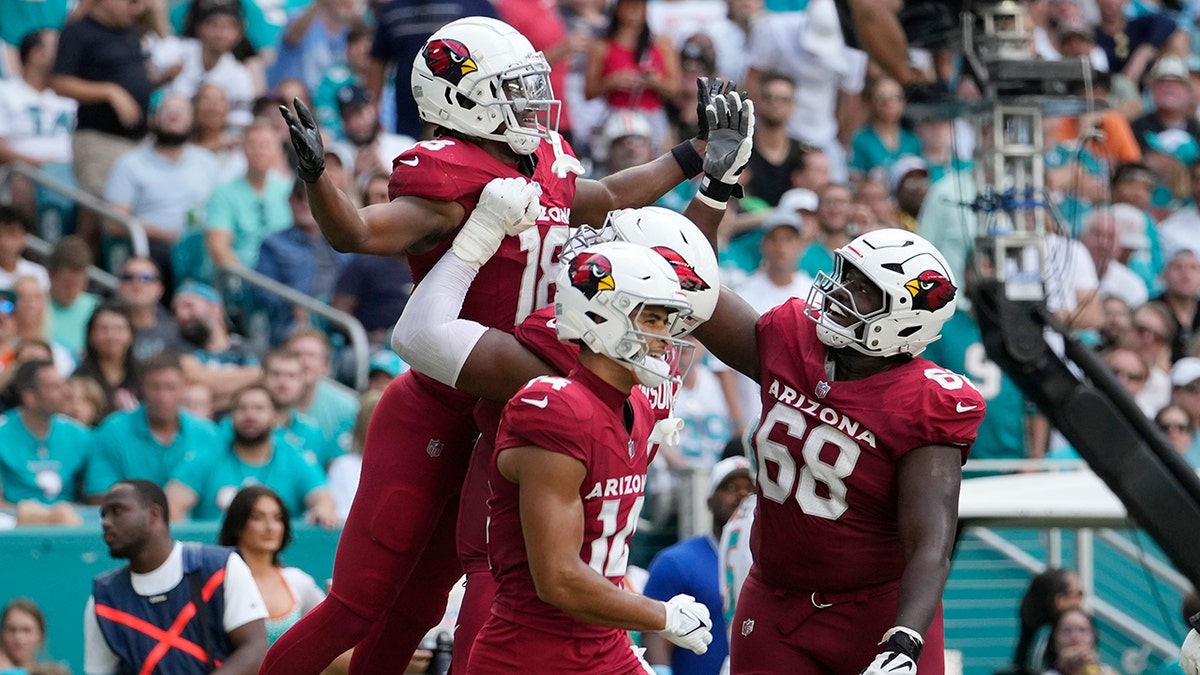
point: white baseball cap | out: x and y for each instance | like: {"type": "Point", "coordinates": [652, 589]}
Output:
{"type": "Point", "coordinates": [1184, 372]}
{"type": "Point", "coordinates": [725, 469]}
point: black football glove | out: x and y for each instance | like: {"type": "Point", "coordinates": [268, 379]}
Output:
{"type": "Point", "coordinates": [705, 93]}
{"type": "Point", "coordinates": [306, 139]}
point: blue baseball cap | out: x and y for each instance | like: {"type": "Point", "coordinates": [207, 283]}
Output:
{"type": "Point", "coordinates": [387, 361]}
{"type": "Point", "coordinates": [196, 288]}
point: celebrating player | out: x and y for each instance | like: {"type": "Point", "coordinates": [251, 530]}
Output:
{"type": "Point", "coordinates": [859, 452]}
{"type": "Point", "coordinates": [483, 84]}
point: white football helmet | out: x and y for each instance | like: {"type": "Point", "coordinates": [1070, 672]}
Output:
{"type": "Point", "coordinates": [480, 77]}
{"type": "Point", "coordinates": [675, 238]}
{"type": "Point", "coordinates": [600, 295]}
{"type": "Point", "coordinates": [918, 295]}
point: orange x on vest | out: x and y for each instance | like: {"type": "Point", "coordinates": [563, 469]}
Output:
{"type": "Point", "coordinates": [172, 637]}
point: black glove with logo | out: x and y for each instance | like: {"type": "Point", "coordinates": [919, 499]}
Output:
{"type": "Point", "coordinates": [306, 139]}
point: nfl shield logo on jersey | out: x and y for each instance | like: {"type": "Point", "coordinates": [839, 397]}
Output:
{"type": "Point", "coordinates": [823, 389]}
{"type": "Point", "coordinates": [747, 627]}
{"type": "Point", "coordinates": [631, 448]}
{"type": "Point", "coordinates": [434, 449]}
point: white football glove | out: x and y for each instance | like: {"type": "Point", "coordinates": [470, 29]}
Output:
{"type": "Point", "coordinates": [507, 206]}
{"type": "Point", "coordinates": [688, 624]}
{"type": "Point", "coordinates": [666, 432]}
{"type": "Point", "coordinates": [564, 164]}
{"type": "Point", "coordinates": [902, 648]}
{"type": "Point", "coordinates": [1189, 654]}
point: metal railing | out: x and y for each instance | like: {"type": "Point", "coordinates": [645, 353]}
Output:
{"type": "Point", "coordinates": [353, 327]}
{"type": "Point", "coordinates": [135, 229]}
{"type": "Point", "coordinates": [96, 275]}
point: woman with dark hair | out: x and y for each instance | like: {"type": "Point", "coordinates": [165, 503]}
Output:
{"type": "Point", "coordinates": [631, 68]}
{"type": "Point", "coordinates": [1050, 594]}
{"type": "Point", "coordinates": [1073, 647]}
{"type": "Point", "coordinates": [259, 526]}
{"type": "Point", "coordinates": [108, 357]}
{"type": "Point", "coordinates": [22, 635]}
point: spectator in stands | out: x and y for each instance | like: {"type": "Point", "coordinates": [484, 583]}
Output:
{"type": "Point", "coordinates": [135, 517]}
{"type": "Point", "coordinates": [1133, 373]}
{"type": "Point", "coordinates": [372, 148]}
{"type": "Point", "coordinates": [1185, 387]}
{"type": "Point", "coordinates": [166, 184]}
{"type": "Point", "coordinates": [198, 400]}
{"type": "Point", "coordinates": [697, 58]}
{"type": "Point", "coordinates": [211, 355]}
{"type": "Point", "coordinates": [35, 122]}
{"type": "Point", "coordinates": [70, 304]}
{"type": "Point", "coordinates": [259, 526]}
{"type": "Point", "coordinates": [210, 107]}
{"type": "Point", "coordinates": [374, 290]}
{"type": "Point", "coordinates": [33, 322]}
{"type": "Point", "coordinates": [350, 71]}
{"type": "Point", "coordinates": [1151, 338]}
{"type": "Point", "coordinates": [312, 41]}
{"type": "Point", "coordinates": [85, 400]}
{"type": "Point", "coordinates": [209, 58]}
{"type": "Point", "coordinates": [883, 140]}
{"type": "Point", "coordinates": [152, 440]}
{"type": "Point", "coordinates": [631, 68]}
{"type": "Point", "coordinates": [1073, 648]}
{"type": "Point", "coordinates": [204, 486]}
{"type": "Point", "coordinates": [776, 155]}
{"type": "Point", "coordinates": [100, 64]}
{"type": "Point", "coordinates": [344, 471]}
{"type": "Point", "coordinates": [1182, 229]}
{"type": "Point", "coordinates": [385, 366]}
{"type": "Point", "coordinates": [332, 408]}
{"type": "Point", "coordinates": [283, 376]}
{"type": "Point", "coordinates": [244, 211]}
{"type": "Point", "coordinates": [1135, 184]}
{"type": "Point", "coordinates": [141, 291]}
{"type": "Point", "coordinates": [23, 351]}
{"type": "Point", "coordinates": [833, 221]}
{"type": "Point", "coordinates": [908, 181]}
{"type": "Point", "coordinates": [1050, 593]}
{"type": "Point", "coordinates": [690, 567]}
{"type": "Point", "coordinates": [22, 636]}
{"type": "Point", "coordinates": [1171, 128]}
{"type": "Point", "coordinates": [1176, 425]}
{"type": "Point", "coordinates": [13, 229]}
{"type": "Point", "coordinates": [300, 258]}
{"type": "Point", "coordinates": [1117, 329]}
{"type": "Point", "coordinates": [1102, 238]}
{"type": "Point", "coordinates": [1181, 296]}
{"type": "Point", "coordinates": [702, 404]}
{"type": "Point", "coordinates": [1132, 44]}
{"type": "Point", "coordinates": [44, 452]}
{"type": "Point", "coordinates": [108, 357]}
{"type": "Point", "coordinates": [625, 140]}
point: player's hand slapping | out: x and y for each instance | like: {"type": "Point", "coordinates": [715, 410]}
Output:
{"type": "Point", "coordinates": [901, 650]}
{"type": "Point", "coordinates": [730, 140]}
{"type": "Point", "coordinates": [706, 92]}
{"type": "Point", "coordinates": [688, 624]}
{"type": "Point", "coordinates": [507, 206]}
{"type": "Point", "coordinates": [306, 139]}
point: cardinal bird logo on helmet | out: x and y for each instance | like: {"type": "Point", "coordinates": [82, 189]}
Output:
{"type": "Point", "coordinates": [449, 60]}
{"type": "Point", "coordinates": [688, 279]}
{"type": "Point", "coordinates": [931, 290]}
{"type": "Point", "coordinates": [591, 273]}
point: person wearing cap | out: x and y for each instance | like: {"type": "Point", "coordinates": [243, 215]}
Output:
{"type": "Point", "coordinates": [385, 366]}
{"type": "Point", "coordinates": [209, 57]}
{"type": "Point", "coordinates": [1108, 235]}
{"type": "Point", "coordinates": [1181, 280]}
{"type": "Point", "coordinates": [1171, 128]}
{"type": "Point", "coordinates": [1135, 184]}
{"type": "Point", "coordinates": [1185, 393]}
{"type": "Point", "coordinates": [245, 210]}
{"type": "Point", "coordinates": [372, 148]}
{"type": "Point", "coordinates": [690, 567]}
{"type": "Point", "coordinates": [1132, 44]}
{"type": "Point", "coordinates": [776, 155]}
{"type": "Point", "coordinates": [210, 354]}
{"type": "Point", "coordinates": [625, 140]}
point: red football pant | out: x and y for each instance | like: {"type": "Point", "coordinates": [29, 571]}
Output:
{"type": "Point", "coordinates": [778, 632]}
{"type": "Point", "coordinates": [396, 559]}
{"type": "Point", "coordinates": [503, 648]}
{"type": "Point", "coordinates": [472, 554]}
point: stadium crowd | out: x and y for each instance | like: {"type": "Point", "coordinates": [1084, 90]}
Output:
{"type": "Point", "coordinates": [169, 113]}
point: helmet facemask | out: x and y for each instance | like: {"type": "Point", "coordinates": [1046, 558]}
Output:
{"type": "Point", "coordinates": [831, 304]}
{"type": "Point", "coordinates": [530, 110]}
{"type": "Point", "coordinates": [635, 352]}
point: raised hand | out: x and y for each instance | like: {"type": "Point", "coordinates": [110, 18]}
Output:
{"type": "Point", "coordinates": [507, 206]}
{"type": "Point", "coordinates": [688, 624]}
{"type": "Point", "coordinates": [730, 137]}
{"type": "Point", "coordinates": [306, 139]}
{"type": "Point", "coordinates": [705, 94]}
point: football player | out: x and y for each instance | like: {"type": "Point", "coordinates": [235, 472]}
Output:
{"type": "Point", "coordinates": [483, 84]}
{"type": "Point", "coordinates": [859, 455]}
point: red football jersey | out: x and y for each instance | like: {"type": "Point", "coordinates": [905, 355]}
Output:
{"type": "Point", "coordinates": [827, 453]}
{"type": "Point", "coordinates": [520, 276]}
{"type": "Point", "coordinates": [582, 417]}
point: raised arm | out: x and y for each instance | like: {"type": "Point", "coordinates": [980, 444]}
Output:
{"type": "Point", "coordinates": [404, 224]}
{"type": "Point", "coordinates": [642, 185]}
{"type": "Point", "coordinates": [928, 481]}
{"type": "Point", "coordinates": [464, 354]}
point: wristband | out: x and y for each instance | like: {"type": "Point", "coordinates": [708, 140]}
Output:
{"type": "Point", "coordinates": [688, 159]}
{"type": "Point", "coordinates": [662, 670]}
{"type": "Point", "coordinates": [904, 640]}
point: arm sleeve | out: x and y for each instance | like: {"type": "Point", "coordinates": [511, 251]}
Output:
{"type": "Point", "coordinates": [98, 658]}
{"type": "Point", "coordinates": [243, 601]}
{"type": "Point", "coordinates": [429, 335]}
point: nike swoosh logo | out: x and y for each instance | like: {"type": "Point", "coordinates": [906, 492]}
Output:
{"type": "Point", "coordinates": [409, 162]}
{"type": "Point", "coordinates": [964, 408]}
{"type": "Point", "coordinates": [539, 402]}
